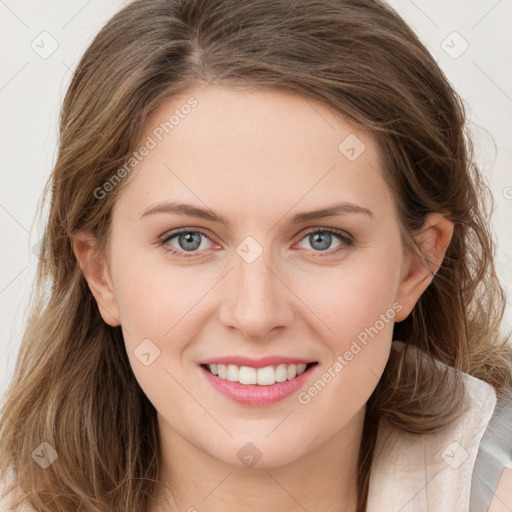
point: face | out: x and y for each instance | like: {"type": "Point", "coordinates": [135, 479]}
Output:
{"type": "Point", "coordinates": [256, 285]}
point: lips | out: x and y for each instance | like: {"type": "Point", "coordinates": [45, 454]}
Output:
{"type": "Point", "coordinates": [257, 382]}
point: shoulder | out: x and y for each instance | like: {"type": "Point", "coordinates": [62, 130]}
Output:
{"type": "Point", "coordinates": [444, 471]}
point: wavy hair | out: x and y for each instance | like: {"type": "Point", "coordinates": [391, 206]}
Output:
{"type": "Point", "coordinates": [73, 386]}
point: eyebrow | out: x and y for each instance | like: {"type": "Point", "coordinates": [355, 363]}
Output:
{"type": "Point", "coordinates": [202, 213]}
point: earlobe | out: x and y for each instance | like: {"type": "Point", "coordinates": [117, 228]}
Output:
{"type": "Point", "coordinates": [96, 272]}
{"type": "Point", "coordinates": [432, 240]}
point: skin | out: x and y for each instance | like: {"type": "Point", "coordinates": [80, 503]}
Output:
{"type": "Point", "coordinates": [502, 501]}
{"type": "Point", "coordinates": [257, 157]}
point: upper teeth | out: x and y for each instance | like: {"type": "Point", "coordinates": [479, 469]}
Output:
{"type": "Point", "coordinates": [263, 376]}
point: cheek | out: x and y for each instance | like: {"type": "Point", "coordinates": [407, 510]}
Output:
{"type": "Point", "coordinates": [353, 297]}
{"type": "Point", "coordinates": [360, 319]}
{"type": "Point", "coordinates": [152, 298]}
{"type": "Point", "coordinates": [357, 310]}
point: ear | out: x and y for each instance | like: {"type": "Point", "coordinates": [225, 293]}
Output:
{"type": "Point", "coordinates": [97, 274]}
{"type": "Point", "coordinates": [433, 240]}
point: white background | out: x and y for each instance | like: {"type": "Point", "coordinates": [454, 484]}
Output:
{"type": "Point", "coordinates": [32, 89]}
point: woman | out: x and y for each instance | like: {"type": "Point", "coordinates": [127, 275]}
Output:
{"type": "Point", "coordinates": [251, 201]}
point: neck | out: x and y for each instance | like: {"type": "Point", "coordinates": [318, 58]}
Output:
{"type": "Point", "coordinates": [324, 478]}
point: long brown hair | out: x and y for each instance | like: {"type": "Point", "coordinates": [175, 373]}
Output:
{"type": "Point", "coordinates": [73, 387]}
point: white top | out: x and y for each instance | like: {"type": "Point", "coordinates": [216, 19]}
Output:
{"type": "Point", "coordinates": [456, 470]}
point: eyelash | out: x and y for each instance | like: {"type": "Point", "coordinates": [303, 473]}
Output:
{"type": "Point", "coordinates": [347, 242]}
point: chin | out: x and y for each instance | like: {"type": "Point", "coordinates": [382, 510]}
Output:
{"type": "Point", "coordinates": [259, 453]}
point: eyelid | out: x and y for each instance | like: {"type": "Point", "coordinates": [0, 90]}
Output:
{"type": "Point", "coordinates": [172, 233]}
{"type": "Point", "coordinates": [336, 231]}
{"type": "Point", "coordinates": [162, 240]}
{"type": "Point", "coordinates": [347, 241]}
{"type": "Point", "coordinates": [345, 238]}
{"type": "Point", "coordinates": [205, 232]}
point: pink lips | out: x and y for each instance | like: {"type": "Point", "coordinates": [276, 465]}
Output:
{"type": "Point", "coordinates": [252, 394]}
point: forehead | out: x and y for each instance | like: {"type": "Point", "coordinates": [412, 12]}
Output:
{"type": "Point", "coordinates": [254, 148]}
{"type": "Point", "coordinates": [284, 122]}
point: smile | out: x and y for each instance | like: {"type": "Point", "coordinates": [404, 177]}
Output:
{"type": "Point", "coordinates": [257, 383]}
{"type": "Point", "coordinates": [266, 376]}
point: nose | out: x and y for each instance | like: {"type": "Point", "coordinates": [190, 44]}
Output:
{"type": "Point", "coordinates": [257, 302]}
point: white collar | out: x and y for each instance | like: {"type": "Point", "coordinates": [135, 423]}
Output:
{"type": "Point", "coordinates": [431, 472]}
